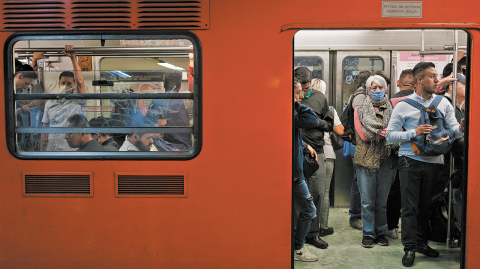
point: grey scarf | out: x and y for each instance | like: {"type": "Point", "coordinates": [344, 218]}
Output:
{"type": "Point", "coordinates": [373, 121]}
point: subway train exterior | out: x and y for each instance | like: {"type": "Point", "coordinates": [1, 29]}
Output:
{"type": "Point", "coordinates": [224, 200]}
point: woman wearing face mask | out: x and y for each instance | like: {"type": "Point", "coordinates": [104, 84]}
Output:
{"type": "Point", "coordinates": [57, 112]}
{"type": "Point", "coordinates": [374, 168]}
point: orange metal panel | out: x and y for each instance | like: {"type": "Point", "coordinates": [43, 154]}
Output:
{"type": "Point", "coordinates": [238, 211]}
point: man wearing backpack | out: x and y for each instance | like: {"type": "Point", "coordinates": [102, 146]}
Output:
{"type": "Point", "coordinates": [418, 172]}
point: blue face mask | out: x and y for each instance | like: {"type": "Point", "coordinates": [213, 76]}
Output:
{"type": "Point", "coordinates": [377, 95]}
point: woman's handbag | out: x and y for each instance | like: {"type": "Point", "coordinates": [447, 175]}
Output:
{"type": "Point", "coordinates": [310, 165]}
{"type": "Point", "coordinates": [337, 141]}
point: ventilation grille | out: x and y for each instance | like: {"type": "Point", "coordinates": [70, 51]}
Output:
{"type": "Point", "coordinates": [172, 14]}
{"type": "Point", "coordinates": [151, 185]}
{"type": "Point", "coordinates": [56, 184]}
{"type": "Point", "coordinates": [105, 14]}
{"type": "Point", "coordinates": [101, 14]}
{"type": "Point", "coordinates": [33, 15]}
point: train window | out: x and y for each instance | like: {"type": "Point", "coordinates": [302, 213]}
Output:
{"type": "Point", "coordinates": [315, 64]}
{"type": "Point", "coordinates": [351, 66]}
{"type": "Point", "coordinates": [96, 98]}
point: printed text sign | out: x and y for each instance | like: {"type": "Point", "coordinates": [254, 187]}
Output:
{"type": "Point", "coordinates": [402, 9]}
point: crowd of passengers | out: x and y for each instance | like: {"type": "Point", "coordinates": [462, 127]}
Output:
{"type": "Point", "coordinates": [392, 179]}
{"type": "Point", "coordinates": [71, 113]}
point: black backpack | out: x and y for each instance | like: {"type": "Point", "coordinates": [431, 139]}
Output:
{"type": "Point", "coordinates": [347, 119]}
{"type": "Point", "coordinates": [439, 220]}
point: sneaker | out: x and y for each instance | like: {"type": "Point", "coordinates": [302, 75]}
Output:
{"type": "Point", "coordinates": [304, 256]}
{"type": "Point", "coordinates": [393, 233]}
{"type": "Point", "coordinates": [317, 242]}
{"type": "Point", "coordinates": [381, 240]}
{"type": "Point", "coordinates": [427, 251]}
{"type": "Point", "coordinates": [326, 231]}
{"type": "Point", "coordinates": [357, 224]}
{"type": "Point", "coordinates": [367, 242]}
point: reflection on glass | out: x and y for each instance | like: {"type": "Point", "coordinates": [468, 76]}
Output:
{"type": "Point", "coordinates": [315, 64]}
{"type": "Point", "coordinates": [351, 67]}
{"type": "Point", "coordinates": [132, 74]}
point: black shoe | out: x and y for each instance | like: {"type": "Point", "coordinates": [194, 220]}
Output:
{"type": "Point", "coordinates": [367, 242]}
{"type": "Point", "coordinates": [325, 232]}
{"type": "Point", "coordinates": [427, 251]}
{"type": "Point", "coordinates": [381, 240]}
{"type": "Point", "coordinates": [317, 242]}
{"type": "Point", "coordinates": [408, 258]}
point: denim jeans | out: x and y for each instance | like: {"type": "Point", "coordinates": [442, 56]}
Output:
{"type": "Point", "coordinates": [374, 188]}
{"type": "Point", "coordinates": [355, 202]}
{"type": "Point", "coordinates": [417, 180]}
{"type": "Point", "coordinates": [302, 202]}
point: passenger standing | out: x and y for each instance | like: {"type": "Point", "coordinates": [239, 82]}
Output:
{"type": "Point", "coordinates": [57, 111]}
{"type": "Point", "coordinates": [355, 210]}
{"type": "Point", "coordinates": [177, 113]}
{"type": "Point", "coordinates": [319, 85]}
{"type": "Point", "coordinates": [330, 157]}
{"type": "Point", "coordinates": [405, 85]}
{"type": "Point", "coordinates": [316, 101]}
{"type": "Point", "coordinates": [374, 168]}
{"type": "Point", "coordinates": [23, 78]}
{"type": "Point", "coordinates": [304, 117]}
{"type": "Point", "coordinates": [418, 173]}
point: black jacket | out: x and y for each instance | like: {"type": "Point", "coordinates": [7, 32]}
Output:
{"type": "Point", "coordinates": [314, 136]}
{"type": "Point", "coordinates": [91, 146]}
{"type": "Point", "coordinates": [110, 145]}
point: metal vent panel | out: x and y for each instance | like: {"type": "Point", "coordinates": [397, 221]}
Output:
{"type": "Point", "coordinates": [105, 14]}
{"type": "Point", "coordinates": [150, 185]}
{"type": "Point", "coordinates": [101, 14]}
{"type": "Point", "coordinates": [57, 184]}
{"type": "Point", "coordinates": [33, 15]}
{"type": "Point", "coordinates": [173, 14]}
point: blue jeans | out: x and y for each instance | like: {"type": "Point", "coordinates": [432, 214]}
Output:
{"type": "Point", "coordinates": [374, 188]}
{"type": "Point", "coordinates": [302, 202]}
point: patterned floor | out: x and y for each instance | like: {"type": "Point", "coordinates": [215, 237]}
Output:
{"type": "Point", "coordinates": [345, 251]}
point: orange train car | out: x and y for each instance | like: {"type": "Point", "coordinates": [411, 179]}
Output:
{"type": "Point", "coordinates": [215, 78]}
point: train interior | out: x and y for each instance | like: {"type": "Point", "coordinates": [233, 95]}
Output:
{"type": "Point", "coordinates": [336, 57]}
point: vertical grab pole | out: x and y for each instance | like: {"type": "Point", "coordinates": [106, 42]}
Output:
{"type": "Point", "coordinates": [422, 57]}
{"type": "Point", "coordinates": [452, 164]}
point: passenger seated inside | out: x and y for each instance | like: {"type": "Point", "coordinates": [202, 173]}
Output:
{"type": "Point", "coordinates": [81, 141]}
{"type": "Point", "coordinates": [138, 142]}
{"type": "Point", "coordinates": [155, 117]}
{"type": "Point", "coordinates": [107, 142]}
{"type": "Point", "coordinates": [57, 111]}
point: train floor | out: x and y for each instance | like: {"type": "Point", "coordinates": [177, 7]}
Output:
{"type": "Point", "coordinates": [345, 250]}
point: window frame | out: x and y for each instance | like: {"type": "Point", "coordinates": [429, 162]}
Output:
{"type": "Point", "coordinates": [10, 122]}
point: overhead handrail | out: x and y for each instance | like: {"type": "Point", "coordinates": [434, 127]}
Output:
{"type": "Point", "coordinates": [106, 51]}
